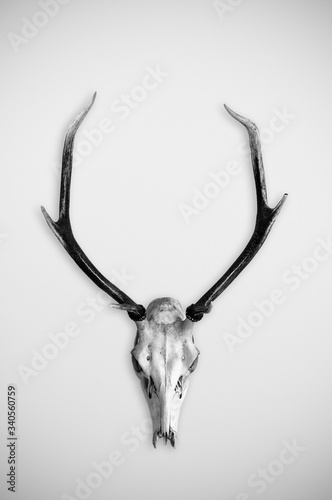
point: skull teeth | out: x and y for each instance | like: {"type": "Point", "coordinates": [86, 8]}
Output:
{"type": "Point", "coordinates": [168, 436]}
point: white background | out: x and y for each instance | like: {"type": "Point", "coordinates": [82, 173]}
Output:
{"type": "Point", "coordinates": [260, 58]}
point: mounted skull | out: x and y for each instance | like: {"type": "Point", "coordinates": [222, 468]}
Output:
{"type": "Point", "coordinates": [164, 355]}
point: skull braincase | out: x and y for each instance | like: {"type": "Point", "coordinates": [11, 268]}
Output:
{"type": "Point", "coordinates": [164, 357]}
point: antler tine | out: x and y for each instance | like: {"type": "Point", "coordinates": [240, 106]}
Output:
{"type": "Point", "coordinates": [264, 221]}
{"type": "Point", "coordinates": [63, 231]}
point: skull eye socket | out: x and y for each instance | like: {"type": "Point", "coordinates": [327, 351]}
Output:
{"type": "Point", "coordinates": [192, 367]}
{"type": "Point", "coordinates": [136, 365]}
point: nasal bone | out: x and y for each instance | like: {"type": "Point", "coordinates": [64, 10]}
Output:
{"type": "Point", "coordinates": [165, 415]}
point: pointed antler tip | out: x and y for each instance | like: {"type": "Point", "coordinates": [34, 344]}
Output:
{"type": "Point", "coordinates": [49, 219]}
{"type": "Point", "coordinates": [283, 199]}
{"type": "Point", "coordinates": [92, 99]}
{"type": "Point", "coordinates": [44, 212]}
{"type": "Point", "coordinates": [236, 116]}
{"type": "Point", "coordinates": [239, 118]}
{"type": "Point", "coordinates": [279, 205]}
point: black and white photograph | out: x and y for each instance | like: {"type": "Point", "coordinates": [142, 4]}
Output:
{"type": "Point", "coordinates": [166, 250]}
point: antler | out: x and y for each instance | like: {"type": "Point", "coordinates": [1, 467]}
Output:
{"type": "Point", "coordinates": [264, 221]}
{"type": "Point", "coordinates": [63, 231]}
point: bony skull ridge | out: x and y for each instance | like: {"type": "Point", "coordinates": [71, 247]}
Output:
{"type": "Point", "coordinates": [164, 355]}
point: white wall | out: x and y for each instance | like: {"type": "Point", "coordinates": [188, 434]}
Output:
{"type": "Point", "coordinates": [269, 61]}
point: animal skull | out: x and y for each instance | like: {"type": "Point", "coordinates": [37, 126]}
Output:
{"type": "Point", "coordinates": [164, 355]}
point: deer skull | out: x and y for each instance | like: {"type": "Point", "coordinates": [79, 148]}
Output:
{"type": "Point", "coordinates": [164, 355]}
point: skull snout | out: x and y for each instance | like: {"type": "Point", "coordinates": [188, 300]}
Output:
{"type": "Point", "coordinates": [163, 357]}
{"type": "Point", "coordinates": [169, 402]}
{"type": "Point", "coordinates": [166, 431]}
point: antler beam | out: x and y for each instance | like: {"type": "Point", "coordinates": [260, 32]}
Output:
{"type": "Point", "coordinates": [264, 221]}
{"type": "Point", "coordinates": [63, 231]}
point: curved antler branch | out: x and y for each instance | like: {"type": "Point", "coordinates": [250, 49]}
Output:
{"type": "Point", "coordinates": [63, 231]}
{"type": "Point", "coordinates": [264, 221]}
